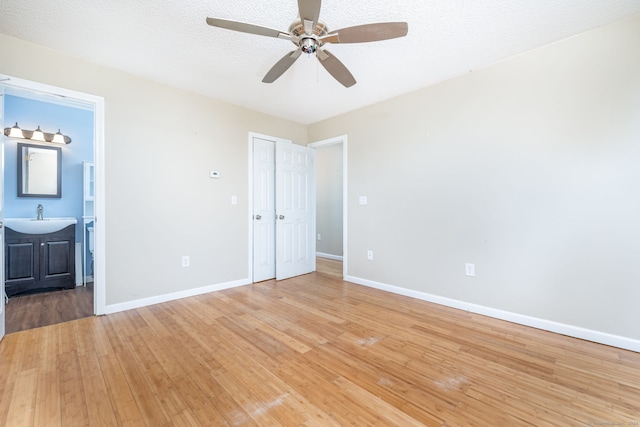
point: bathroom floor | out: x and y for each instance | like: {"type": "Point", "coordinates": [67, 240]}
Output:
{"type": "Point", "coordinates": [48, 308]}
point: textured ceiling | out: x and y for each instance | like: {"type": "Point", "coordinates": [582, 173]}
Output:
{"type": "Point", "coordinates": [168, 41]}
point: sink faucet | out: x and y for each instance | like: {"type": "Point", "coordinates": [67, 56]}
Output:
{"type": "Point", "coordinates": [40, 209]}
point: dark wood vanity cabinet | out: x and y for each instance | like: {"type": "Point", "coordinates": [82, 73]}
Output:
{"type": "Point", "coordinates": [39, 261]}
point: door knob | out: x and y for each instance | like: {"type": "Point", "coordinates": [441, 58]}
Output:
{"type": "Point", "coordinates": [258, 216]}
{"type": "Point", "coordinates": [281, 217]}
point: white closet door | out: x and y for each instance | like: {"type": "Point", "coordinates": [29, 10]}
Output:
{"type": "Point", "coordinates": [264, 219]}
{"type": "Point", "coordinates": [295, 210]}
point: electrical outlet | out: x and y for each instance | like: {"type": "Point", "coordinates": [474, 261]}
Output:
{"type": "Point", "coordinates": [470, 269]}
{"type": "Point", "coordinates": [185, 261]}
{"type": "Point", "coordinates": [319, 236]}
{"type": "Point", "coordinates": [370, 255]}
{"type": "Point", "coordinates": [362, 200]}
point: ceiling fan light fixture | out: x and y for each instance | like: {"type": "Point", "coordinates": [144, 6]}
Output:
{"type": "Point", "coordinates": [309, 46]}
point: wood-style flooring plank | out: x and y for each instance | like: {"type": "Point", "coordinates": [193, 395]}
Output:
{"type": "Point", "coordinates": [311, 350]}
{"type": "Point", "coordinates": [48, 394]}
{"type": "Point", "coordinates": [73, 404]}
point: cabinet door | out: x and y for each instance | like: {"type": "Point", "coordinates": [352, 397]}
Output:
{"type": "Point", "coordinates": [21, 265]}
{"type": "Point", "coordinates": [57, 262]}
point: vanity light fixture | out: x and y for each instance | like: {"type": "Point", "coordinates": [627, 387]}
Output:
{"type": "Point", "coordinates": [36, 135]}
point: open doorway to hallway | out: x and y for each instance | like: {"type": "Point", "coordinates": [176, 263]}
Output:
{"type": "Point", "coordinates": [331, 206]}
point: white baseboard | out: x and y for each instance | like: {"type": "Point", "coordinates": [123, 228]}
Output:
{"type": "Point", "coordinates": [329, 256]}
{"type": "Point", "coordinates": [547, 325]}
{"type": "Point", "coordinates": [143, 302]}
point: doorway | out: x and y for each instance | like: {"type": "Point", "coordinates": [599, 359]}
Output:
{"type": "Point", "coordinates": [281, 209]}
{"type": "Point", "coordinates": [332, 200]}
{"type": "Point", "coordinates": [64, 98]}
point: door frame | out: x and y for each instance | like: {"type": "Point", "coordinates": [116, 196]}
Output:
{"type": "Point", "coordinates": [250, 221]}
{"type": "Point", "coordinates": [3, 300]}
{"type": "Point", "coordinates": [342, 139]}
{"type": "Point", "coordinates": [97, 104]}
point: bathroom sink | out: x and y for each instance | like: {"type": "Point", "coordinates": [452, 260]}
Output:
{"type": "Point", "coordinates": [38, 226]}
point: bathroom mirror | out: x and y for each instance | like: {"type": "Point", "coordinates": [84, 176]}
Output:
{"type": "Point", "coordinates": [39, 171]}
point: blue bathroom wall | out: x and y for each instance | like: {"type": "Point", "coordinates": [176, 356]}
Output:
{"type": "Point", "coordinates": [76, 123]}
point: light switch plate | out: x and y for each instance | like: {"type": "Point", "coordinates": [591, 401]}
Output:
{"type": "Point", "coordinates": [470, 269]}
{"type": "Point", "coordinates": [214, 174]}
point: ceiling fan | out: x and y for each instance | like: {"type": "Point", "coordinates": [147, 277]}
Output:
{"type": "Point", "coordinates": [310, 35]}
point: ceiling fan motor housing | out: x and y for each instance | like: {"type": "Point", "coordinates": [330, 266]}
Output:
{"type": "Point", "coordinates": [308, 43]}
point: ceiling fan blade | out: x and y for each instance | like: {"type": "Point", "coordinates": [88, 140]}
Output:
{"type": "Point", "coordinates": [281, 66]}
{"type": "Point", "coordinates": [246, 28]}
{"type": "Point", "coordinates": [309, 14]}
{"type": "Point", "coordinates": [367, 33]}
{"type": "Point", "coordinates": [335, 68]}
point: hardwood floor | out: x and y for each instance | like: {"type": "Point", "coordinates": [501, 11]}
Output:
{"type": "Point", "coordinates": [311, 350]}
{"type": "Point", "coordinates": [48, 308]}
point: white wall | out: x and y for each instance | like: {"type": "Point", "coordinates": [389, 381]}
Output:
{"type": "Point", "coordinates": [530, 169]}
{"type": "Point", "coordinates": [329, 199]}
{"type": "Point", "coordinates": [160, 144]}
